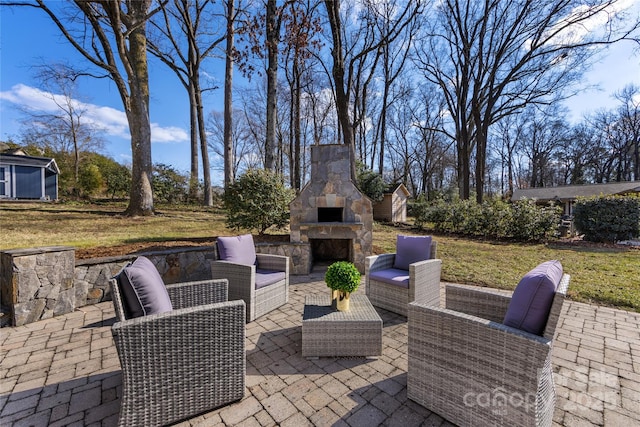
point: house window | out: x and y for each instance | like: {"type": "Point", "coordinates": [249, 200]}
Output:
{"type": "Point", "coordinates": [4, 181]}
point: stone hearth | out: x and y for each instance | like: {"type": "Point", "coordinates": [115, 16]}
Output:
{"type": "Point", "coordinates": [330, 213]}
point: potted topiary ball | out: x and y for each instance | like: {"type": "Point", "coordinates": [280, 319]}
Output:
{"type": "Point", "coordinates": [342, 278]}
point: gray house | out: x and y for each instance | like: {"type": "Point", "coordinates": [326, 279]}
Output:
{"type": "Point", "coordinates": [567, 194]}
{"type": "Point", "coordinates": [28, 178]}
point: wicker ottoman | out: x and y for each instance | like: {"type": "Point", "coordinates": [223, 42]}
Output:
{"type": "Point", "coordinates": [325, 332]}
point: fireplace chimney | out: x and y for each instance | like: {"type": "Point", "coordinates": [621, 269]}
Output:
{"type": "Point", "coordinates": [330, 213]}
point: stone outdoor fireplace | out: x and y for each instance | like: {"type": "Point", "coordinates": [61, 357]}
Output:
{"type": "Point", "coordinates": [330, 213]}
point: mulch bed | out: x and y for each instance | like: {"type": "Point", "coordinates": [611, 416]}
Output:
{"type": "Point", "coordinates": [138, 247]}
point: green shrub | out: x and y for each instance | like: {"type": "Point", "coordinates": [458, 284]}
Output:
{"type": "Point", "coordinates": [533, 223]}
{"type": "Point", "coordinates": [608, 219]}
{"type": "Point", "coordinates": [342, 276]}
{"type": "Point", "coordinates": [89, 179]}
{"type": "Point", "coordinates": [419, 209]}
{"type": "Point", "coordinates": [498, 217]}
{"type": "Point", "coordinates": [168, 184]}
{"type": "Point", "coordinates": [257, 201]}
{"type": "Point", "coordinates": [118, 180]}
{"type": "Point", "coordinates": [370, 183]}
{"type": "Point", "coordinates": [492, 219]}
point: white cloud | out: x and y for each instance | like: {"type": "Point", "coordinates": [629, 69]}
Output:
{"type": "Point", "coordinates": [168, 134]}
{"type": "Point", "coordinates": [112, 121]}
{"type": "Point", "coordinates": [585, 20]}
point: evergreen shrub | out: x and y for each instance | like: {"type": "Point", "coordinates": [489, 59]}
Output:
{"type": "Point", "coordinates": [521, 220]}
{"type": "Point", "coordinates": [257, 201]}
{"type": "Point", "coordinates": [608, 218]}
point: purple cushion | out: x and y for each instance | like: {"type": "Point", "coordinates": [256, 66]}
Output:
{"type": "Point", "coordinates": [531, 301]}
{"type": "Point", "coordinates": [410, 249]}
{"type": "Point", "coordinates": [143, 290]}
{"type": "Point", "coordinates": [268, 277]}
{"type": "Point", "coordinates": [391, 276]}
{"type": "Point", "coordinates": [237, 249]}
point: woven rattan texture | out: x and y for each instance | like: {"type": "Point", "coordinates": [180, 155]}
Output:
{"type": "Point", "coordinates": [181, 363]}
{"type": "Point", "coordinates": [327, 332]}
{"type": "Point", "coordinates": [424, 283]}
{"type": "Point", "coordinates": [242, 283]}
{"type": "Point", "coordinates": [477, 372]}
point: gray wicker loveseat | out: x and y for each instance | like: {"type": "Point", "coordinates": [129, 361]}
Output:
{"type": "Point", "coordinates": [179, 363]}
{"type": "Point", "coordinates": [412, 273]}
{"type": "Point", "coordinates": [469, 367]}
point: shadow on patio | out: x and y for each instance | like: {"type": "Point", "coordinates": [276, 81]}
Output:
{"type": "Point", "coordinates": [65, 371]}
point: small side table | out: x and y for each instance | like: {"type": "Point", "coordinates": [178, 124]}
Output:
{"type": "Point", "coordinates": [326, 332]}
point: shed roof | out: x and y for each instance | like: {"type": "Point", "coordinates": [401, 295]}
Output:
{"type": "Point", "coordinates": [20, 160]}
{"type": "Point", "coordinates": [571, 192]}
{"type": "Point", "coordinates": [392, 188]}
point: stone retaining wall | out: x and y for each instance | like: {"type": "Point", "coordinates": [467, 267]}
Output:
{"type": "Point", "coordinates": [39, 283]}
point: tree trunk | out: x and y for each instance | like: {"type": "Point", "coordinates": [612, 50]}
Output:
{"type": "Point", "coordinates": [206, 168]}
{"type": "Point", "coordinates": [297, 134]}
{"type": "Point", "coordinates": [228, 96]}
{"type": "Point", "coordinates": [193, 121]}
{"type": "Point", "coordinates": [141, 196]}
{"type": "Point", "coordinates": [481, 155]}
{"type": "Point", "coordinates": [342, 101]}
{"type": "Point", "coordinates": [273, 32]}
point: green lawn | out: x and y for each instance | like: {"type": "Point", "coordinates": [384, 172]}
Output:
{"type": "Point", "coordinates": [601, 275]}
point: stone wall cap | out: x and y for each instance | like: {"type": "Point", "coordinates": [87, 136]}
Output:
{"type": "Point", "coordinates": [35, 251]}
{"type": "Point", "coordinates": [332, 224]}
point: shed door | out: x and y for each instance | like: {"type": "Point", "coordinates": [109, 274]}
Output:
{"type": "Point", "coordinates": [5, 182]}
{"type": "Point", "coordinates": [28, 182]}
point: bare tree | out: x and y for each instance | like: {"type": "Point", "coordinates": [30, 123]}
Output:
{"type": "Point", "coordinates": [242, 156]}
{"type": "Point", "coordinates": [67, 130]}
{"type": "Point", "coordinates": [346, 71]}
{"type": "Point", "coordinates": [508, 137]}
{"type": "Point", "coordinates": [338, 74]}
{"type": "Point", "coordinates": [273, 23]}
{"type": "Point", "coordinates": [544, 134]}
{"type": "Point", "coordinates": [300, 27]}
{"type": "Point", "coordinates": [111, 35]}
{"type": "Point", "coordinates": [229, 175]}
{"type": "Point", "coordinates": [394, 58]}
{"type": "Point", "coordinates": [629, 126]}
{"type": "Point", "coordinates": [492, 59]}
{"type": "Point", "coordinates": [186, 33]}
{"type": "Point", "coordinates": [573, 156]}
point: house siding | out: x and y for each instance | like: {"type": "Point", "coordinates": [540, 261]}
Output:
{"type": "Point", "coordinates": [28, 182]}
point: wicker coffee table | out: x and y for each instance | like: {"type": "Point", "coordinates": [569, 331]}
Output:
{"type": "Point", "coordinates": [326, 332]}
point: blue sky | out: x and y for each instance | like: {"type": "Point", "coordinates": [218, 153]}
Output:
{"type": "Point", "coordinates": [27, 36]}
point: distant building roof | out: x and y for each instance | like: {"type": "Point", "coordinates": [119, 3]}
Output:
{"type": "Point", "coordinates": [20, 160]}
{"type": "Point", "coordinates": [392, 188]}
{"type": "Point", "coordinates": [571, 192]}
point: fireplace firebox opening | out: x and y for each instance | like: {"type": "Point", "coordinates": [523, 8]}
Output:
{"type": "Point", "coordinates": [330, 215]}
{"type": "Point", "coordinates": [327, 250]}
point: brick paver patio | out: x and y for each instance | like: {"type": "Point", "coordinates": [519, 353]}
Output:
{"type": "Point", "coordinates": [65, 371]}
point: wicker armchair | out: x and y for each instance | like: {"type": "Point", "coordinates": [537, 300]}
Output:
{"type": "Point", "coordinates": [472, 370]}
{"type": "Point", "coordinates": [242, 283]}
{"type": "Point", "coordinates": [184, 362]}
{"type": "Point", "coordinates": [424, 282]}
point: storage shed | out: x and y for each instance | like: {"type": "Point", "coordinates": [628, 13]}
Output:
{"type": "Point", "coordinates": [393, 208]}
{"type": "Point", "coordinates": [28, 178]}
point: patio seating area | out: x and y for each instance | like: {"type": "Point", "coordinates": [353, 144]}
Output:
{"type": "Point", "coordinates": [65, 371]}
